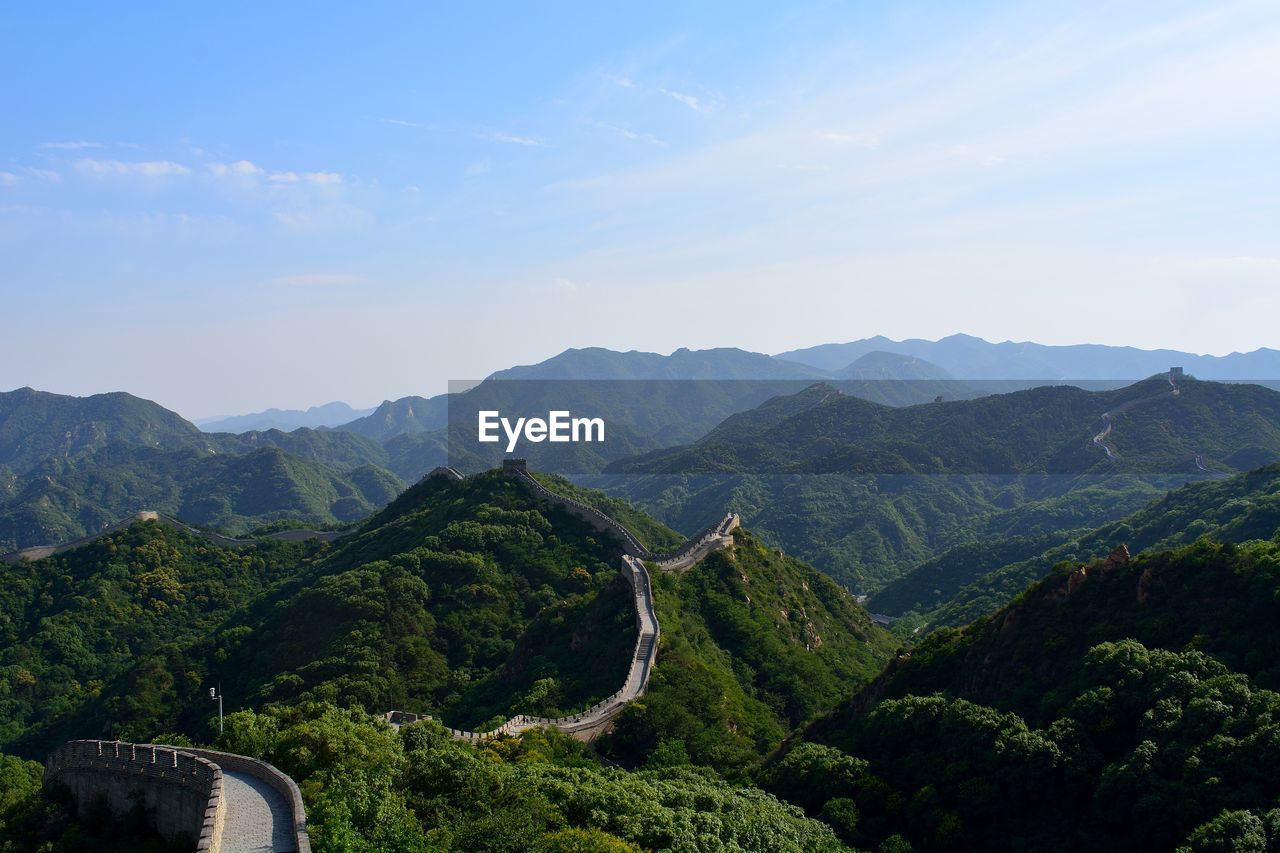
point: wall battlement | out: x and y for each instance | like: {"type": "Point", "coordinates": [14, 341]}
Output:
{"type": "Point", "coordinates": [180, 792]}
{"type": "Point", "coordinates": [181, 789]}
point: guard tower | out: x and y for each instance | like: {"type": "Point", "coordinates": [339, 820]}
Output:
{"type": "Point", "coordinates": [515, 466]}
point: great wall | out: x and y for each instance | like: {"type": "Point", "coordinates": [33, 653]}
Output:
{"type": "Point", "coordinates": [226, 803]}
{"type": "Point", "coordinates": [222, 803]}
{"type": "Point", "coordinates": [587, 725]}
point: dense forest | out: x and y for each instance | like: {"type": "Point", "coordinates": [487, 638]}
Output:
{"type": "Point", "coordinates": [1125, 705]}
{"type": "Point", "coordinates": [970, 580]}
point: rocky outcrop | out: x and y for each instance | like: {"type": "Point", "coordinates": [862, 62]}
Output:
{"type": "Point", "coordinates": [1118, 558]}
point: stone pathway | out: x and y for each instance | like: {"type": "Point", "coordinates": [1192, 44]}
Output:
{"type": "Point", "coordinates": [257, 816]}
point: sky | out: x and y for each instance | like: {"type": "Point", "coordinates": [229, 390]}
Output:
{"type": "Point", "coordinates": [233, 206]}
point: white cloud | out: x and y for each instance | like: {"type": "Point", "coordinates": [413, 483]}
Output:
{"type": "Point", "coordinates": [480, 167]}
{"type": "Point", "coordinates": [690, 101]}
{"type": "Point", "coordinates": [249, 169]}
{"type": "Point", "coordinates": [144, 168]}
{"type": "Point", "coordinates": [627, 133]}
{"type": "Point", "coordinates": [512, 139]}
{"type": "Point", "coordinates": [8, 179]}
{"type": "Point", "coordinates": [71, 146]}
{"type": "Point", "coordinates": [305, 177]}
{"type": "Point", "coordinates": [400, 122]}
{"type": "Point", "coordinates": [240, 168]}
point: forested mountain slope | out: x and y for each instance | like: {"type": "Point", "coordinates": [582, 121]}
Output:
{"type": "Point", "coordinates": [467, 600]}
{"type": "Point", "coordinates": [969, 580]}
{"type": "Point", "coordinates": [867, 492]}
{"type": "Point", "coordinates": [753, 645]}
{"type": "Point", "coordinates": [70, 466]}
{"type": "Point", "coordinates": [1124, 706]}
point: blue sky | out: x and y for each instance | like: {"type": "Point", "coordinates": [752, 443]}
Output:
{"type": "Point", "coordinates": [246, 205]}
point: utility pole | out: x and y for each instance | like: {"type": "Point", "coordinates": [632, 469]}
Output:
{"type": "Point", "coordinates": [216, 693]}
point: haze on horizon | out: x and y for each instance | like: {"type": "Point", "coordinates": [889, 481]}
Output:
{"type": "Point", "coordinates": [237, 207]}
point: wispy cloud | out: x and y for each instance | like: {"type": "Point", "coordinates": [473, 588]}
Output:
{"type": "Point", "coordinates": [318, 178]}
{"type": "Point", "coordinates": [512, 139]}
{"type": "Point", "coordinates": [240, 168]}
{"type": "Point", "coordinates": [690, 101]}
{"type": "Point", "coordinates": [144, 168]}
{"type": "Point", "coordinates": [8, 179]}
{"type": "Point", "coordinates": [71, 146]}
{"type": "Point", "coordinates": [627, 133]}
{"type": "Point", "coordinates": [400, 122]}
{"type": "Point", "coordinates": [249, 169]}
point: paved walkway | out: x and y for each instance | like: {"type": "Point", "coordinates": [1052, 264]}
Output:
{"type": "Point", "coordinates": [257, 816]}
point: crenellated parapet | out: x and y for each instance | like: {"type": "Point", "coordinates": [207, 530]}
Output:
{"type": "Point", "coordinates": [181, 793]}
{"type": "Point", "coordinates": [183, 790]}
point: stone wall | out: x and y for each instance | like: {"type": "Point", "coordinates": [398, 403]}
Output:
{"type": "Point", "coordinates": [281, 783]}
{"type": "Point", "coordinates": [597, 519]}
{"type": "Point", "coordinates": [180, 792]}
{"type": "Point", "coordinates": [589, 724]}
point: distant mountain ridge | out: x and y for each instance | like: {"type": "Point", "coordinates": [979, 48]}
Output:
{"type": "Point", "coordinates": [684, 363]}
{"type": "Point", "coordinates": [1041, 430]}
{"type": "Point", "coordinates": [329, 415]}
{"type": "Point", "coordinates": [649, 401]}
{"type": "Point", "coordinates": [69, 466]}
{"type": "Point", "coordinates": [969, 357]}
{"type": "Point", "coordinates": [881, 365]}
{"type": "Point", "coordinates": [867, 492]}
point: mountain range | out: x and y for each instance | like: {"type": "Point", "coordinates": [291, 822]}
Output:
{"type": "Point", "coordinates": [968, 357]}
{"type": "Point", "coordinates": [328, 415]}
{"type": "Point", "coordinates": [867, 492]}
{"type": "Point", "coordinates": [1088, 697]}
